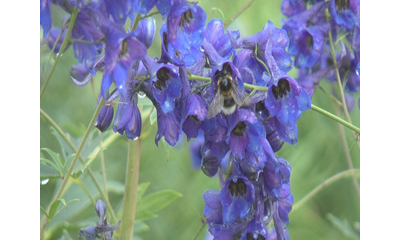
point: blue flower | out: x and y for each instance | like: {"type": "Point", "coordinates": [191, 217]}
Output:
{"type": "Point", "coordinates": [237, 197]}
{"type": "Point", "coordinates": [345, 13]}
{"type": "Point", "coordinates": [122, 49]}
{"type": "Point", "coordinates": [214, 34]}
{"type": "Point", "coordinates": [45, 16]}
{"type": "Point", "coordinates": [182, 34]}
{"type": "Point", "coordinates": [85, 29]}
{"type": "Point", "coordinates": [105, 117]}
{"type": "Point", "coordinates": [166, 86]}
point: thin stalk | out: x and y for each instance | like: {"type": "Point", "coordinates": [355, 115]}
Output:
{"type": "Point", "coordinates": [336, 118]}
{"type": "Point", "coordinates": [238, 13]}
{"type": "Point", "coordinates": [131, 186]}
{"type": "Point", "coordinates": [74, 160]}
{"type": "Point", "coordinates": [73, 148]}
{"type": "Point", "coordinates": [80, 183]}
{"type": "Point", "coordinates": [347, 153]}
{"type": "Point", "coordinates": [63, 46]}
{"type": "Point", "coordinates": [334, 178]}
{"type": "Point", "coordinates": [203, 224]}
{"type": "Point", "coordinates": [346, 112]}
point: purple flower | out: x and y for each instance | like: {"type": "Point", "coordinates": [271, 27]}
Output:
{"type": "Point", "coordinates": [195, 150]}
{"type": "Point", "coordinates": [345, 13]}
{"type": "Point", "coordinates": [182, 34]}
{"type": "Point", "coordinates": [52, 37]}
{"type": "Point", "coordinates": [122, 49]}
{"type": "Point", "coordinates": [237, 197]}
{"type": "Point", "coordinates": [293, 7]}
{"type": "Point", "coordinates": [285, 100]}
{"type": "Point", "coordinates": [85, 29]}
{"type": "Point", "coordinates": [146, 31]}
{"type": "Point", "coordinates": [166, 86]}
{"type": "Point", "coordinates": [105, 117]}
{"type": "Point", "coordinates": [214, 34]}
{"type": "Point", "coordinates": [128, 117]}
{"type": "Point", "coordinates": [45, 16]}
{"type": "Point", "coordinates": [168, 125]}
{"type": "Point", "coordinates": [213, 206]}
{"type": "Point", "coordinates": [102, 229]}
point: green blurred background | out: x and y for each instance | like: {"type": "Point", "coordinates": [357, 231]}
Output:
{"type": "Point", "coordinates": [318, 155]}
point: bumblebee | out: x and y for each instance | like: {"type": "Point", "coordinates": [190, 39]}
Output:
{"type": "Point", "coordinates": [228, 96]}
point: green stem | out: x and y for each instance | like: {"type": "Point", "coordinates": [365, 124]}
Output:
{"type": "Point", "coordinates": [336, 118]}
{"type": "Point", "coordinates": [63, 46]}
{"type": "Point", "coordinates": [334, 178]}
{"type": "Point", "coordinates": [203, 224]}
{"type": "Point", "coordinates": [347, 153]}
{"type": "Point", "coordinates": [238, 13]}
{"type": "Point", "coordinates": [338, 77]}
{"type": "Point", "coordinates": [131, 186]}
{"type": "Point", "coordinates": [91, 174]}
{"type": "Point", "coordinates": [74, 160]}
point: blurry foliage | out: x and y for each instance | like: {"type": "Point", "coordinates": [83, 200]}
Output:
{"type": "Point", "coordinates": [318, 155]}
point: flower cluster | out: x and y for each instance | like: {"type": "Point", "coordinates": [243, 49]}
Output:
{"type": "Point", "coordinates": [309, 27]}
{"type": "Point", "coordinates": [233, 94]}
{"type": "Point", "coordinates": [102, 230]}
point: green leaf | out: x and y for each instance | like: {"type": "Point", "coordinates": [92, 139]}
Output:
{"type": "Point", "coordinates": [115, 186]}
{"type": "Point", "coordinates": [142, 188]}
{"type": "Point", "coordinates": [54, 206]}
{"type": "Point", "coordinates": [52, 164]}
{"type": "Point", "coordinates": [153, 117]}
{"type": "Point", "coordinates": [157, 201]}
{"type": "Point", "coordinates": [144, 102]}
{"type": "Point", "coordinates": [67, 164]}
{"type": "Point", "coordinates": [343, 226]}
{"type": "Point", "coordinates": [55, 158]}
{"type": "Point", "coordinates": [75, 130]}
{"type": "Point", "coordinates": [145, 215]}
{"type": "Point", "coordinates": [140, 227]}
{"type": "Point", "coordinates": [44, 211]}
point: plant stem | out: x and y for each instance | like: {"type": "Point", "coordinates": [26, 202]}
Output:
{"type": "Point", "coordinates": [74, 160]}
{"type": "Point", "coordinates": [238, 13]}
{"type": "Point", "coordinates": [336, 118]}
{"type": "Point", "coordinates": [63, 46]}
{"type": "Point", "coordinates": [203, 224]}
{"type": "Point", "coordinates": [91, 174]}
{"type": "Point", "coordinates": [347, 153]}
{"type": "Point", "coordinates": [334, 178]}
{"type": "Point", "coordinates": [338, 77]}
{"type": "Point", "coordinates": [131, 186]}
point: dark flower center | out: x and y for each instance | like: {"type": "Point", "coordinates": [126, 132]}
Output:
{"type": "Point", "coordinates": [165, 41]}
{"type": "Point", "coordinates": [249, 236]}
{"type": "Point", "coordinates": [239, 128]}
{"type": "Point", "coordinates": [193, 117]}
{"type": "Point", "coordinates": [342, 5]}
{"type": "Point", "coordinates": [237, 188]}
{"type": "Point", "coordinates": [162, 76]}
{"type": "Point", "coordinates": [282, 88]}
{"type": "Point", "coordinates": [124, 49]}
{"type": "Point", "coordinates": [186, 17]}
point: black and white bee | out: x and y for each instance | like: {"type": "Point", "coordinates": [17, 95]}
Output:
{"type": "Point", "coordinates": [228, 96]}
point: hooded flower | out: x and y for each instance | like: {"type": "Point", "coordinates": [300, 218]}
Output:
{"type": "Point", "coordinates": [237, 197]}
{"type": "Point", "coordinates": [122, 49]}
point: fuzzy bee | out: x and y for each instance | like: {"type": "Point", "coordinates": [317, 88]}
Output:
{"type": "Point", "coordinates": [228, 96]}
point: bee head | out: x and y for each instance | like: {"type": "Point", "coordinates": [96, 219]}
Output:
{"type": "Point", "coordinates": [224, 77]}
{"type": "Point", "coordinates": [282, 89]}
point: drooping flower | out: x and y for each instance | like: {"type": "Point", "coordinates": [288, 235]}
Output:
{"type": "Point", "coordinates": [122, 49]}
{"type": "Point", "coordinates": [182, 34]}
{"type": "Point", "coordinates": [237, 197]}
{"type": "Point", "coordinates": [45, 17]}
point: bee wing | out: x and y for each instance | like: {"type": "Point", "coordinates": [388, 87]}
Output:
{"type": "Point", "coordinates": [215, 105]}
{"type": "Point", "coordinates": [240, 96]}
